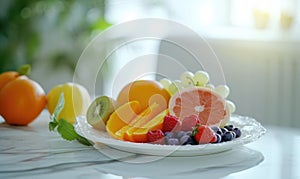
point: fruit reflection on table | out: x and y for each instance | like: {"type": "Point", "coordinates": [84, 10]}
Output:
{"type": "Point", "coordinates": [189, 111]}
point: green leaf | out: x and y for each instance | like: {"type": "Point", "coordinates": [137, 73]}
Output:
{"type": "Point", "coordinates": [59, 106]}
{"type": "Point", "coordinates": [24, 70]}
{"type": "Point", "coordinates": [52, 125]}
{"type": "Point", "coordinates": [101, 24]}
{"type": "Point", "coordinates": [83, 140]}
{"type": "Point", "coordinates": [66, 130]}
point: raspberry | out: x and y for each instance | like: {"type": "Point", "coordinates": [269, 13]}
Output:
{"type": "Point", "coordinates": [189, 122]}
{"type": "Point", "coordinates": [171, 123]}
{"type": "Point", "coordinates": [156, 137]}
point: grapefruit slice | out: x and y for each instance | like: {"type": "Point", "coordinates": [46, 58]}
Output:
{"type": "Point", "coordinates": [206, 104]}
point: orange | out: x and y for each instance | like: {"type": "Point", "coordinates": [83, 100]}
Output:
{"type": "Point", "coordinates": [121, 117]}
{"type": "Point", "coordinates": [144, 117]}
{"type": "Point", "coordinates": [140, 135]}
{"type": "Point", "coordinates": [146, 92]}
{"type": "Point", "coordinates": [6, 77]}
{"type": "Point", "coordinates": [206, 104]}
{"type": "Point", "coordinates": [21, 101]}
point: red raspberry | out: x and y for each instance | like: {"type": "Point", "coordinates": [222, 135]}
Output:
{"type": "Point", "coordinates": [204, 135]}
{"type": "Point", "coordinates": [189, 122]}
{"type": "Point", "coordinates": [170, 124]}
{"type": "Point", "coordinates": [156, 137]}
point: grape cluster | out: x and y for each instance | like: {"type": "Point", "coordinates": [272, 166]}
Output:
{"type": "Point", "coordinates": [198, 79]}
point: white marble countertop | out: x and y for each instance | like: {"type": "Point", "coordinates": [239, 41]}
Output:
{"type": "Point", "coordinates": [34, 152]}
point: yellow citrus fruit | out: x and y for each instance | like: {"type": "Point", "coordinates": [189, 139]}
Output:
{"type": "Point", "coordinates": [77, 100]}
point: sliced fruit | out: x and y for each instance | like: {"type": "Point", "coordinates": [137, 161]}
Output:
{"type": "Point", "coordinates": [204, 135]}
{"type": "Point", "coordinates": [99, 111]}
{"type": "Point", "coordinates": [226, 117]}
{"type": "Point", "coordinates": [146, 92]}
{"type": "Point", "coordinates": [121, 117]}
{"type": "Point", "coordinates": [140, 135]}
{"type": "Point", "coordinates": [156, 137]}
{"type": "Point", "coordinates": [189, 122]}
{"type": "Point", "coordinates": [145, 116]}
{"type": "Point", "coordinates": [171, 124]}
{"type": "Point", "coordinates": [206, 104]}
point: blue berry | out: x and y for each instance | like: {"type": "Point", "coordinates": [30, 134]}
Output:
{"type": "Point", "coordinates": [173, 141]}
{"type": "Point", "coordinates": [217, 130]}
{"type": "Point", "coordinates": [179, 134]}
{"type": "Point", "coordinates": [219, 138]}
{"type": "Point", "coordinates": [184, 140]}
{"type": "Point", "coordinates": [229, 127]}
{"type": "Point", "coordinates": [233, 134]}
{"type": "Point", "coordinates": [189, 133]}
{"type": "Point", "coordinates": [237, 132]}
{"type": "Point", "coordinates": [223, 130]}
{"type": "Point", "coordinates": [169, 135]}
{"type": "Point", "coordinates": [227, 136]}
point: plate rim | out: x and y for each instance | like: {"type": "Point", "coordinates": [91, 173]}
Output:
{"type": "Point", "coordinates": [180, 150]}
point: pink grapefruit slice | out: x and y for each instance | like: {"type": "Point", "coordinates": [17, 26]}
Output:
{"type": "Point", "coordinates": [206, 104]}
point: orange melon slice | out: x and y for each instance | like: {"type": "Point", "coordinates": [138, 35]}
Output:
{"type": "Point", "coordinates": [140, 135]}
{"type": "Point", "coordinates": [149, 113]}
{"type": "Point", "coordinates": [122, 116]}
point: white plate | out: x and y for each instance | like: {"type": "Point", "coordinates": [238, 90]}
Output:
{"type": "Point", "coordinates": [250, 128]}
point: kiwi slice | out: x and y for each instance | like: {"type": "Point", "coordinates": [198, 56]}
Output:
{"type": "Point", "coordinates": [99, 111]}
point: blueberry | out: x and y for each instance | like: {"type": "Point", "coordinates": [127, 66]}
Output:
{"type": "Point", "coordinates": [185, 139]}
{"type": "Point", "coordinates": [227, 136]}
{"type": "Point", "coordinates": [229, 127]}
{"type": "Point", "coordinates": [173, 141]}
{"type": "Point", "coordinates": [223, 130]}
{"type": "Point", "coordinates": [169, 135]}
{"type": "Point", "coordinates": [237, 132]}
{"type": "Point", "coordinates": [217, 130]}
{"type": "Point", "coordinates": [233, 134]}
{"type": "Point", "coordinates": [219, 138]}
{"type": "Point", "coordinates": [189, 133]}
{"type": "Point", "coordinates": [179, 134]}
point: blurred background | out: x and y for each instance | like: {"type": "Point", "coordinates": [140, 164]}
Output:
{"type": "Point", "coordinates": [256, 41]}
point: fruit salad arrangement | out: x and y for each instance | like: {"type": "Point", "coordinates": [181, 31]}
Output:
{"type": "Point", "coordinates": [180, 112]}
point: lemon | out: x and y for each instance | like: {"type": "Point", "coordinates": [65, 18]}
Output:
{"type": "Point", "coordinates": [77, 100]}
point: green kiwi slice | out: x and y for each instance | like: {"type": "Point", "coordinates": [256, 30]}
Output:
{"type": "Point", "coordinates": [99, 111]}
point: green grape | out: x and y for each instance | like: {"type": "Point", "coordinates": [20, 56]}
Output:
{"type": "Point", "coordinates": [187, 79]}
{"type": "Point", "coordinates": [210, 86]}
{"type": "Point", "coordinates": [175, 86]}
{"type": "Point", "coordinates": [231, 106]}
{"type": "Point", "coordinates": [165, 83]}
{"type": "Point", "coordinates": [222, 90]}
{"type": "Point", "coordinates": [201, 78]}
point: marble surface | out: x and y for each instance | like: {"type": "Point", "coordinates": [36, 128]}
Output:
{"type": "Point", "coordinates": [34, 152]}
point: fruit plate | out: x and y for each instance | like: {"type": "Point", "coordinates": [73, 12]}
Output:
{"type": "Point", "coordinates": [250, 128]}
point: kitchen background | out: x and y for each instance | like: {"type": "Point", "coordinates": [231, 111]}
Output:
{"type": "Point", "coordinates": [256, 41]}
